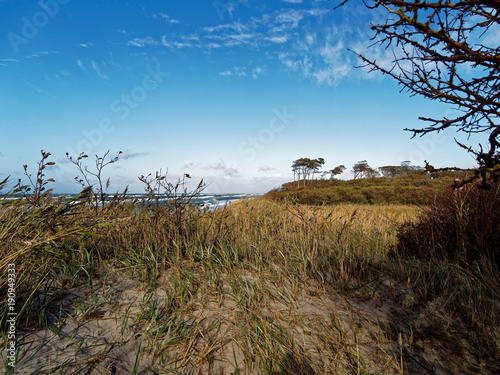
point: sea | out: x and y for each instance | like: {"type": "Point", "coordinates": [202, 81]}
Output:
{"type": "Point", "coordinates": [209, 201]}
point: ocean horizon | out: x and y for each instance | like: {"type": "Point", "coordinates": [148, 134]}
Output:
{"type": "Point", "coordinates": [209, 200]}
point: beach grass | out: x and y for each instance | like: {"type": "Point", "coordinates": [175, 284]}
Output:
{"type": "Point", "coordinates": [261, 286]}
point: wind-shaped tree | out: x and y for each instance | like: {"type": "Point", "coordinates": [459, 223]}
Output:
{"type": "Point", "coordinates": [361, 170]}
{"type": "Point", "coordinates": [336, 171]}
{"type": "Point", "coordinates": [304, 167]}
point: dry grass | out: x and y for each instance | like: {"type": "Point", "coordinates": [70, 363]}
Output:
{"type": "Point", "coordinates": [258, 287]}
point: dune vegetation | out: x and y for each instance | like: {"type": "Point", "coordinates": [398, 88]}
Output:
{"type": "Point", "coordinates": [264, 285]}
{"type": "Point", "coordinates": [419, 188]}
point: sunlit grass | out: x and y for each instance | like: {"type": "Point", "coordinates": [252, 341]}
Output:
{"type": "Point", "coordinates": [257, 287]}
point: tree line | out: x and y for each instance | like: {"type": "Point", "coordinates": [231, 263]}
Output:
{"type": "Point", "coordinates": [304, 170]}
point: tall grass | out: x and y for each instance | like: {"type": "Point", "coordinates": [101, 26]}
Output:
{"type": "Point", "coordinates": [458, 239]}
{"type": "Point", "coordinates": [260, 286]}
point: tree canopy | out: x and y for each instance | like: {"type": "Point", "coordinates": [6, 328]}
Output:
{"type": "Point", "coordinates": [304, 168]}
{"type": "Point", "coordinates": [336, 171]}
{"type": "Point", "coordinates": [361, 170]}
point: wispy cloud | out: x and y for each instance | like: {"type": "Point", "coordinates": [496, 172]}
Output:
{"type": "Point", "coordinates": [86, 45]}
{"type": "Point", "coordinates": [285, 34]}
{"type": "Point", "coordinates": [230, 35]}
{"type": "Point", "coordinates": [188, 164]}
{"type": "Point", "coordinates": [265, 168]}
{"type": "Point", "coordinates": [9, 60]}
{"type": "Point", "coordinates": [263, 31]}
{"type": "Point", "coordinates": [325, 58]}
{"type": "Point", "coordinates": [220, 166]}
{"type": "Point", "coordinates": [81, 65]}
{"type": "Point", "coordinates": [142, 42]}
{"type": "Point", "coordinates": [278, 39]}
{"type": "Point", "coordinates": [293, 1]}
{"type": "Point", "coordinates": [257, 71]}
{"type": "Point", "coordinates": [63, 74]}
{"type": "Point", "coordinates": [165, 17]}
{"type": "Point", "coordinates": [237, 71]}
{"type": "Point", "coordinates": [40, 54]}
{"type": "Point", "coordinates": [127, 154]}
{"type": "Point", "coordinates": [242, 71]}
{"type": "Point", "coordinates": [92, 66]}
{"type": "Point", "coordinates": [97, 69]}
{"type": "Point", "coordinates": [37, 89]}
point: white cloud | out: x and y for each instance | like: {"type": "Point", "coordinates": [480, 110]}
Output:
{"type": "Point", "coordinates": [89, 67]}
{"type": "Point", "coordinates": [293, 1]}
{"type": "Point", "coordinates": [97, 69]}
{"type": "Point", "coordinates": [278, 39]}
{"type": "Point", "coordinates": [257, 71]}
{"type": "Point", "coordinates": [214, 45]}
{"type": "Point", "coordinates": [278, 27]}
{"type": "Point", "coordinates": [220, 166]}
{"type": "Point", "coordinates": [215, 166]}
{"type": "Point", "coordinates": [127, 154]}
{"type": "Point", "coordinates": [266, 168]}
{"type": "Point", "coordinates": [41, 53]}
{"type": "Point", "coordinates": [235, 27]}
{"type": "Point", "coordinates": [322, 55]}
{"type": "Point", "coordinates": [191, 37]}
{"type": "Point", "coordinates": [58, 76]}
{"type": "Point", "coordinates": [37, 89]}
{"type": "Point", "coordinates": [142, 42]}
{"type": "Point", "coordinates": [310, 39]}
{"type": "Point", "coordinates": [188, 164]}
{"type": "Point", "coordinates": [291, 17]}
{"type": "Point", "coordinates": [81, 65]}
{"type": "Point", "coordinates": [326, 59]}
{"type": "Point", "coordinates": [242, 71]}
{"type": "Point", "coordinates": [337, 66]}
{"type": "Point", "coordinates": [9, 60]}
{"type": "Point", "coordinates": [165, 17]}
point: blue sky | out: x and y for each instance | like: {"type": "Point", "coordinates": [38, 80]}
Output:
{"type": "Point", "coordinates": [229, 91]}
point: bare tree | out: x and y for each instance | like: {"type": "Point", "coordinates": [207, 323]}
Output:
{"type": "Point", "coordinates": [448, 51]}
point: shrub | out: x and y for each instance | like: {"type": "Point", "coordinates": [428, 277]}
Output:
{"type": "Point", "coordinates": [462, 225]}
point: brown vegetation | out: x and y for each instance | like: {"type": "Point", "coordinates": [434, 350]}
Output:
{"type": "Point", "coordinates": [258, 287]}
{"type": "Point", "coordinates": [411, 189]}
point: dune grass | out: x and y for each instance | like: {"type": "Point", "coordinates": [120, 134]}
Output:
{"type": "Point", "coordinates": [257, 287]}
{"type": "Point", "coordinates": [418, 188]}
